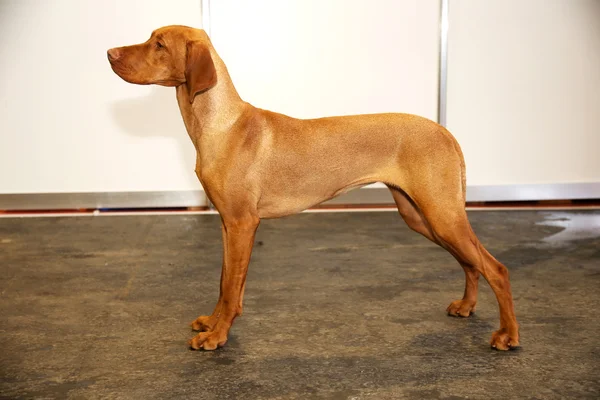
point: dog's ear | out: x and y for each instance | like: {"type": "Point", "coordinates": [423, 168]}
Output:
{"type": "Point", "coordinates": [200, 72]}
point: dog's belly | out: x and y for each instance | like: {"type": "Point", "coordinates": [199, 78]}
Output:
{"type": "Point", "coordinates": [274, 204]}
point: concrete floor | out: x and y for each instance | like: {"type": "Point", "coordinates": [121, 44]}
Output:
{"type": "Point", "coordinates": [337, 306]}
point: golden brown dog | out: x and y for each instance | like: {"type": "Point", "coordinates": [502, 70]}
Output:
{"type": "Point", "coordinates": [257, 164]}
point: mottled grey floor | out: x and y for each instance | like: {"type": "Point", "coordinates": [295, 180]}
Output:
{"type": "Point", "coordinates": [337, 306]}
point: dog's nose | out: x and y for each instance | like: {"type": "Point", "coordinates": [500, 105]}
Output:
{"type": "Point", "coordinates": [113, 54]}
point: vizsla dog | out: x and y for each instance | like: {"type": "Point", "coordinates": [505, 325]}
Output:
{"type": "Point", "coordinates": [257, 164]}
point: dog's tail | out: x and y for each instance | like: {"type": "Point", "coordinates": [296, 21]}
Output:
{"type": "Point", "coordinates": [463, 172]}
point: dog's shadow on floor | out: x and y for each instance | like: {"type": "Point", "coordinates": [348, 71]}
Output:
{"type": "Point", "coordinates": [157, 115]}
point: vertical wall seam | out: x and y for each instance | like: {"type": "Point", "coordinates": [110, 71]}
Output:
{"type": "Point", "coordinates": [443, 71]}
{"type": "Point", "coordinates": [205, 15]}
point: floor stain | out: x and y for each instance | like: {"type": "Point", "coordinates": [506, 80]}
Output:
{"type": "Point", "coordinates": [577, 226]}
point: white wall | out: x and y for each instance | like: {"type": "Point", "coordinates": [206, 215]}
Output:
{"type": "Point", "coordinates": [314, 58]}
{"type": "Point", "coordinates": [67, 122]}
{"type": "Point", "coordinates": [524, 89]}
{"type": "Point", "coordinates": [523, 83]}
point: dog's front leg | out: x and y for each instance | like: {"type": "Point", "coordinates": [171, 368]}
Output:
{"type": "Point", "coordinates": [238, 238]}
{"type": "Point", "coordinates": [206, 323]}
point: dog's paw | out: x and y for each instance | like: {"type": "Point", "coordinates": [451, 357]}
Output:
{"type": "Point", "coordinates": [204, 323]}
{"type": "Point", "coordinates": [208, 340]}
{"type": "Point", "coordinates": [502, 340]}
{"type": "Point", "coordinates": [461, 308]}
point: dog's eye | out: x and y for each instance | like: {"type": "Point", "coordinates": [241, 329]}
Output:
{"type": "Point", "coordinates": [159, 45]}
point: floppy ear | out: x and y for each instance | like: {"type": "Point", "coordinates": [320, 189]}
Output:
{"type": "Point", "coordinates": [200, 72]}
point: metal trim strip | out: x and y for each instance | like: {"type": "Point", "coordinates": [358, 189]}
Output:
{"type": "Point", "coordinates": [197, 198]}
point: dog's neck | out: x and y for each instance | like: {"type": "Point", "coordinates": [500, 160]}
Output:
{"type": "Point", "coordinates": [214, 111]}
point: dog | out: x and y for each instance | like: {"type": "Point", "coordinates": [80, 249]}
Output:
{"type": "Point", "coordinates": [256, 164]}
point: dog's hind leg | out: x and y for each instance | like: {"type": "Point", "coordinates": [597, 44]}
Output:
{"type": "Point", "coordinates": [452, 229]}
{"type": "Point", "coordinates": [415, 221]}
{"type": "Point", "coordinates": [442, 212]}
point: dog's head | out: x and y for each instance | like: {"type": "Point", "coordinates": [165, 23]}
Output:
{"type": "Point", "coordinates": [174, 55]}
